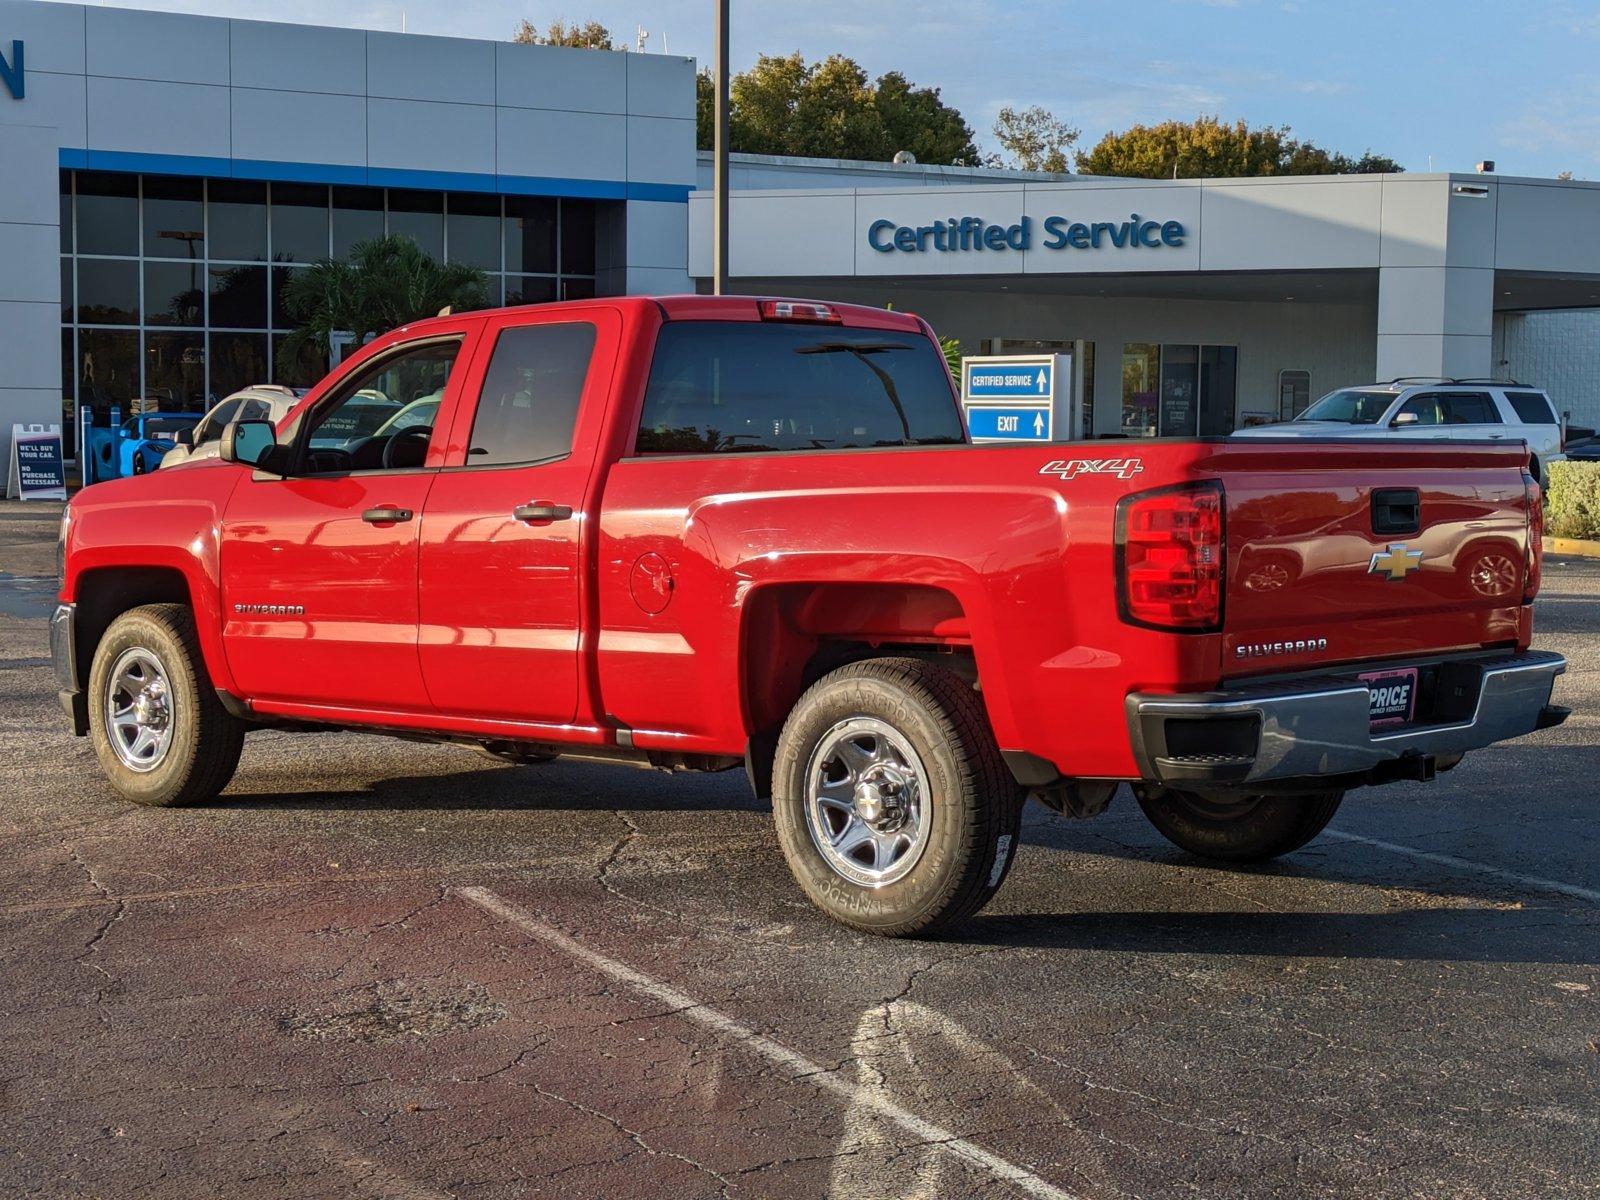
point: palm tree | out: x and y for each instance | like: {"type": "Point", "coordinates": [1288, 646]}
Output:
{"type": "Point", "coordinates": [385, 283]}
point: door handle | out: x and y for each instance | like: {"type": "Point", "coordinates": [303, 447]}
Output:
{"type": "Point", "coordinates": [386, 516]}
{"type": "Point", "coordinates": [542, 512]}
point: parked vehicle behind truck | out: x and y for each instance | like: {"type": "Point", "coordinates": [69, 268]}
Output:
{"type": "Point", "coordinates": [1438, 408]}
{"type": "Point", "coordinates": [703, 533]}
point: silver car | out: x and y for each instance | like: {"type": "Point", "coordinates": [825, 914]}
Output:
{"type": "Point", "coordinates": [261, 402]}
{"type": "Point", "coordinates": [1434, 407]}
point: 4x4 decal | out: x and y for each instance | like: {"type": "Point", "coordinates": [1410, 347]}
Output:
{"type": "Point", "coordinates": [1071, 468]}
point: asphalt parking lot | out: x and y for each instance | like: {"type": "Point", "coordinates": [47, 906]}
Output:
{"type": "Point", "coordinates": [379, 969]}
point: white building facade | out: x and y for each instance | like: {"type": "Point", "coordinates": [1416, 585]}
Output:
{"type": "Point", "coordinates": [163, 177]}
{"type": "Point", "coordinates": [1236, 299]}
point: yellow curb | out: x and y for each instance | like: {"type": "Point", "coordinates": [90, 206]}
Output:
{"type": "Point", "coordinates": [1577, 547]}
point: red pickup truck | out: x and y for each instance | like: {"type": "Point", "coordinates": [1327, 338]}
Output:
{"type": "Point", "coordinates": [701, 532]}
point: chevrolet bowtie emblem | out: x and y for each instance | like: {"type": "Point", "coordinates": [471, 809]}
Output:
{"type": "Point", "coordinates": [1396, 563]}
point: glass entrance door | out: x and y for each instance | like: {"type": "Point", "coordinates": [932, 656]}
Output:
{"type": "Point", "coordinates": [1219, 387]}
{"type": "Point", "coordinates": [1197, 388]}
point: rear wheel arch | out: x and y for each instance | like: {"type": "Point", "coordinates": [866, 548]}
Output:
{"type": "Point", "coordinates": [792, 635]}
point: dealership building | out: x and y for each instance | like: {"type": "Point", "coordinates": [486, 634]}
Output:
{"type": "Point", "coordinates": [162, 177]}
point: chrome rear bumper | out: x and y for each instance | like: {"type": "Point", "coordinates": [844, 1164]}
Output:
{"type": "Point", "coordinates": [1317, 729]}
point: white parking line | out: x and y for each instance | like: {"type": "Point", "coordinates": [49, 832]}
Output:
{"type": "Point", "coordinates": [798, 1065]}
{"type": "Point", "coordinates": [1589, 895]}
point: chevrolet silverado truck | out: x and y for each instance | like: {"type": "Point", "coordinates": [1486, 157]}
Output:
{"type": "Point", "coordinates": [694, 532]}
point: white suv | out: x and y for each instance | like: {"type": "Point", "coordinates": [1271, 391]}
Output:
{"type": "Point", "coordinates": [1465, 409]}
{"type": "Point", "coordinates": [261, 402]}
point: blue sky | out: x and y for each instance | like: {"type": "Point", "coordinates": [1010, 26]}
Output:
{"type": "Point", "coordinates": [1450, 80]}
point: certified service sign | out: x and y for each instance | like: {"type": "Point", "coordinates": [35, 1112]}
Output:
{"type": "Point", "coordinates": [1012, 398]}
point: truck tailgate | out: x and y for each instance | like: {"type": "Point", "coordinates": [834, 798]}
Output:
{"type": "Point", "coordinates": [1339, 552]}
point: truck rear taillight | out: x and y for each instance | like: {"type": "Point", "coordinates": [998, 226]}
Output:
{"type": "Point", "coordinates": [798, 310]}
{"type": "Point", "coordinates": [1533, 561]}
{"type": "Point", "coordinates": [1170, 558]}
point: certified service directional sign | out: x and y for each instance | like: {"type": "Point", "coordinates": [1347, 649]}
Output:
{"type": "Point", "coordinates": [1012, 398]}
{"type": "Point", "coordinates": [1011, 380]}
{"type": "Point", "coordinates": [1008, 424]}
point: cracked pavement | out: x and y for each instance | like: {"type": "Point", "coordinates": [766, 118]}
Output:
{"type": "Point", "coordinates": [285, 993]}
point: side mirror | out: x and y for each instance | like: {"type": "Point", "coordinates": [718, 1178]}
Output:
{"type": "Point", "coordinates": [253, 444]}
{"type": "Point", "coordinates": [1404, 418]}
{"type": "Point", "coordinates": [184, 437]}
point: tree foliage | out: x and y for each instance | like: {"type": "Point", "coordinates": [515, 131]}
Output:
{"type": "Point", "coordinates": [591, 35]}
{"type": "Point", "coordinates": [832, 109]}
{"type": "Point", "coordinates": [386, 283]}
{"type": "Point", "coordinates": [1206, 148]}
{"type": "Point", "coordinates": [1033, 139]}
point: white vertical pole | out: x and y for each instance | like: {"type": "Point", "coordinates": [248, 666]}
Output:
{"type": "Point", "coordinates": [719, 145]}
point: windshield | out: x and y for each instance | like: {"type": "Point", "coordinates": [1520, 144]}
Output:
{"type": "Point", "coordinates": [731, 387]}
{"type": "Point", "coordinates": [1349, 407]}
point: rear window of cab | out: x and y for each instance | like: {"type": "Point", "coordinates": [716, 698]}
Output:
{"type": "Point", "coordinates": [722, 387]}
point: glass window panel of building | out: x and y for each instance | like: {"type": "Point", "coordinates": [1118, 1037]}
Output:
{"type": "Point", "coordinates": [173, 288]}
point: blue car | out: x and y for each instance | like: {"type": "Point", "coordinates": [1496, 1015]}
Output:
{"type": "Point", "coordinates": [137, 446]}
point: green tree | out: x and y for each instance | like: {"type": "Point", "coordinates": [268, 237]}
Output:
{"type": "Point", "coordinates": [1206, 148]}
{"type": "Point", "coordinates": [591, 35]}
{"type": "Point", "coordinates": [386, 283]}
{"type": "Point", "coordinates": [1034, 138]}
{"type": "Point", "coordinates": [918, 120]}
{"type": "Point", "coordinates": [831, 109]}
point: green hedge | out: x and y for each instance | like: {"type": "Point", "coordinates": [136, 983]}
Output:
{"type": "Point", "coordinates": [1573, 504]}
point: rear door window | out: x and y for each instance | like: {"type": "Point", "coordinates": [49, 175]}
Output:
{"type": "Point", "coordinates": [724, 387]}
{"type": "Point", "coordinates": [531, 393]}
{"type": "Point", "coordinates": [1532, 408]}
{"type": "Point", "coordinates": [1470, 408]}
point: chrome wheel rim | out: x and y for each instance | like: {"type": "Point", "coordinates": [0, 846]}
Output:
{"type": "Point", "coordinates": [139, 710]}
{"type": "Point", "coordinates": [868, 803]}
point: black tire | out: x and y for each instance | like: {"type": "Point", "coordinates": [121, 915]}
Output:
{"type": "Point", "coordinates": [205, 742]}
{"type": "Point", "coordinates": [1246, 829]}
{"type": "Point", "coordinates": [973, 810]}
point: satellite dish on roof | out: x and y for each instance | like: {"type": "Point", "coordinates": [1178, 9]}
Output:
{"type": "Point", "coordinates": [904, 158]}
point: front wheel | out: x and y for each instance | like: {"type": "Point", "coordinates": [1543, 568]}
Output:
{"type": "Point", "coordinates": [158, 729]}
{"type": "Point", "coordinates": [894, 808]}
{"type": "Point", "coordinates": [1237, 829]}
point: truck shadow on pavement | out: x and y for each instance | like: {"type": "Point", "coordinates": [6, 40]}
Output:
{"type": "Point", "coordinates": [556, 787]}
{"type": "Point", "coordinates": [1532, 934]}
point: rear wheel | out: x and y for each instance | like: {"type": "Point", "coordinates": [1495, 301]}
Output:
{"type": "Point", "coordinates": [893, 806]}
{"type": "Point", "coordinates": [1237, 829]}
{"type": "Point", "coordinates": [158, 729]}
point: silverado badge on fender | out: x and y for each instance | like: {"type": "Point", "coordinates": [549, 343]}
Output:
{"type": "Point", "coordinates": [1395, 563]}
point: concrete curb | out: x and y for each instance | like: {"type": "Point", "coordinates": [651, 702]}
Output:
{"type": "Point", "coordinates": [1572, 547]}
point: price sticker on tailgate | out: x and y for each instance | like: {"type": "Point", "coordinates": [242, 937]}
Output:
{"type": "Point", "coordinates": [1393, 695]}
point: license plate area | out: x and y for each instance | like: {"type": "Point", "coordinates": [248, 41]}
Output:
{"type": "Point", "coordinates": [1392, 696]}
